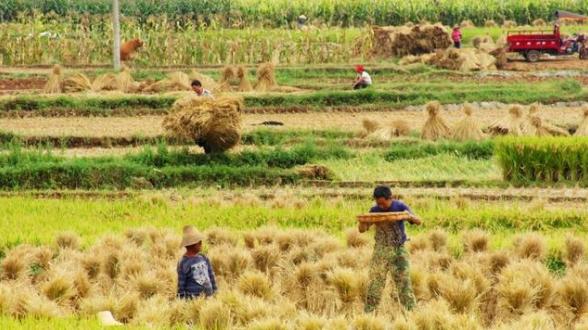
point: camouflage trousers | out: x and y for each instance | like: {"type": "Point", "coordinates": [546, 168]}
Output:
{"type": "Point", "coordinates": [389, 259]}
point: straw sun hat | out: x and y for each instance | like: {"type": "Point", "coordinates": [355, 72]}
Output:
{"type": "Point", "coordinates": [191, 238]}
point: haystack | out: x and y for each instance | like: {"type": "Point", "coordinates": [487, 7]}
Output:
{"type": "Point", "coordinates": [78, 82]}
{"type": "Point", "coordinates": [244, 84]}
{"type": "Point", "coordinates": [435, 127]}
{"type": "Point", "coordinates": [501, 57]}
{"type": "Point", "coordinates": [370, 126]}
{"type": "Point", "coordinates": [467, 128]}
{"type": "Point", "coordinates": [508, 24]}
{"type": "Point", "coordinates": [227, 75]}
{"type": "Point", "coordinates": [214, 124]}
{"type": "Point", "coordinates": [207, 81]}
{"type": "Point", "coordinates": [537, 124]}
{"type": "Point", "coordinates": [400, 128]}
{"type": "Point", "coordinates": [529, 126]}
{"type": "Point", "coordinates": [510, 125]}
{"type": "Point", "coordinates": [490, 23]}
{"type": "Point", "coordinates": [53, 85]}
{"type": "Point", "coordinates": [266, 79]}
{"type": "Point", "coordinates": [484, 43]}
{"type": "Point", "coordinates": [176, 81]}
{"type": "Point", "coordinates": [463, 60]}
{"type": "Point", "coordinates": [539, 22]}
{"type": "Point", "coordinates": [583, 128]}
{"type": "Point", "coordinates": [467, 24]}
{"type": "Point", "coordinates": [403, 40]}
{"type": "Point", "coordinates": [125, 82]}
{"type": "Point", "coordinates": [105, 82]}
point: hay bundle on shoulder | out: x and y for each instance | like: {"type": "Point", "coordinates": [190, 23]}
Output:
{"type": "Point", "coordinates": [435, 127]}
{"type": "Point", "coordinates": [468, 128]}
{"type": "Point", "coordinates": [583, 128]}
{"type": "Point", "coordinates": [105, 82]}
{"type": "Point", "coordinates": [78, 82]}
{"type": "Point", "coordinates": [214, 124]}
{"type": "Point", "coordinates": [244, 84]}
{"type": "Point", "coordinates": [266, 79]}
{"type": "Point", "coordinates": [510, 125]}
{"type": "Point", "coordinates": [53, 85]}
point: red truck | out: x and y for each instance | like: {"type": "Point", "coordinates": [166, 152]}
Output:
{"type": "Point", "coordinates": [532, 44]}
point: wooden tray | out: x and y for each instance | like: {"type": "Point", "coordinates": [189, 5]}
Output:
{"type": "Point", "coordinates": [383, 217]}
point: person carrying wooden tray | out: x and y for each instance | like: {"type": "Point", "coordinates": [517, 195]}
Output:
{"type": "Point", "coordinates": [389, 255]}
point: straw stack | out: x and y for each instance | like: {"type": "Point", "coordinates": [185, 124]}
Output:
{"type": "Point", "coordinates": [266, 79]}
{"type": "Point", "coordinates": [510, 125]}
{"type": "Point", "coordinates": [53, 85]}
{"type": "Point", "coordinates": [468, 128]}
{"type": "Point", "coordinates": [78, 82]}
{"type": "Point", "coordinates": [583, 128]}
{"type": "Point", "coordinates": [244, 84]}
{"type": "Point", "coordinates": [435, 127]}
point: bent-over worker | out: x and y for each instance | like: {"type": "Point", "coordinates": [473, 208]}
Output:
{"type": "Point", "coordinates": [363, 78]}
{"type": "Point", "coordinates": [199, 90]}
{"type": "Point", "coordinates": [390, 255]}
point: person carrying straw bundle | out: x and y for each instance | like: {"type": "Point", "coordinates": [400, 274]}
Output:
{"type": "Point", "coordinates": [363, 79]}
{"type": "Point", "coordinates": [195, 273]}
{"type": "Point", "coordinates": [389, 255]}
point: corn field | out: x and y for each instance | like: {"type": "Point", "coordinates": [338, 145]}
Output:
{"type": "Point", "coordinates": [90, 42]}
{"type": "Point", "coordinates": [280, 13]}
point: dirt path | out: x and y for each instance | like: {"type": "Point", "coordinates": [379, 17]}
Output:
{"type": "Point", "coordinates": [557, 63]}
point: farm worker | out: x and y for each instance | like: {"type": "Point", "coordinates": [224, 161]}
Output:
{"type": "Point", "coordinates": [363, 78]}
{"type": "Point", "coordinates": [199, 90]}
{"type": "Point", "coordinates": [389, 255]}
{"type": "Point", "coordinates": [195, 273]}
{"type": "Point", "coordinates": [456, 36]}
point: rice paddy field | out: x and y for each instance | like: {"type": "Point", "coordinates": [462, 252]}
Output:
{"type": "Point", "coordinates": [95, 187]}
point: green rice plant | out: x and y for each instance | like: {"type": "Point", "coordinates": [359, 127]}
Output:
{"type": "Point", "coordinates": [546, 159]}
{"type": "Point", "coordinates": [470, 149]}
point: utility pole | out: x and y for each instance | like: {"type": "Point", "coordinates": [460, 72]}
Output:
{"type": "Point", "coordinates": [116, 32]}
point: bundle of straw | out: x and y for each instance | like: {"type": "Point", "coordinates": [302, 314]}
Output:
{"type": "Point", "coordinates": [214, 124]}
{"type": "Point", "coordinates": [244, 84]}
{"type": "Point", "coordinates": [105, 82]}
{"type": "Point", "coordinates": [467, 128]}
{"type": "Point", "coordinates": [529, 128]}
{"type": "Point", "coordinates": [583, 128]}
{"type": "Point", "coordinates": [266, 80]}
{"type": "Point", "coordinates": [509, 125]}
{"type": "Point", "coordinates": [125, 82]}
{"type": "Point", "coordinates": [540, 130]}
{"type": "Point", "coordinates": [176, 81]}
{"type": "Point", "coordinates": [53, 85]}
{"type": "Point", "coordinates": [370, 126]}
{"type": "Point", "coordinates": [435, 127]}
{"type": "Point", "coordinates": [227, 75]}
{"type": "Point", "coordinates": [78, 82]}
{"type": "Point", "coordinates": [400, 128]}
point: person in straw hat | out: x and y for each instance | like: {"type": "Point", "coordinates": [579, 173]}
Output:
{"type": "Point", "coordinates": [363, 78]}
{"type": "Point", "coordinates": [195, 273]}
{"type": "Point", "coordinates": [389, 255]}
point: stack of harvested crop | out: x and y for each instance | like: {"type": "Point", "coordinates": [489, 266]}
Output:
{"type": "Point", "coordinates": [125, 82]}
{"type": "Point", "coordinates": [468, 128]}
{"type": "Point", "coordinates": [435, 127]}
{"type": "Point", "coordinates": [53, 85]}
{"type": "Point", "coordinates": [403, 40]}
{"type": "Point", "coordinates": [228, 74]}
{"type": "Point", "coordinates": [484, 43]}
{"type": "Point", "coordinates": [467, 24]}
{"type": "Point", "coordinates": [583, 128]}
{"type": "Point", "coordinates": [508, 24]}
{"type": "Point", "coordinates": [529, 126]}
{"type": "Point", "coordinates": [266, 80]}
{"type": "Point", "coordinates": [244, 84]}
{"type": "Point", "coordinates": [510, 125]}
{"type": "Point", "coordinates": [214, 124]}
{"type": "Point", "coordinates": [105, 82]}
{"type": "Point", "coordinates": [176, 81]}
{"type": "Point", "coordinates": [463, 60]}
{"type": "Point", "coordinates": [78, 82]}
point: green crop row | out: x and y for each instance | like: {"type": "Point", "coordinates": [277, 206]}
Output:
{"type": "Point", "coordinates": [417, 149]}
{"type": "Point", "coordinates": [239, 13]}
{"type": "Point", "coordinates": [543, 159]}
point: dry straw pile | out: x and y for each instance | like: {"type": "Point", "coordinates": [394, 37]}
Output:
{"type": "Point", "coordinates": [53, 85]}
{"type": "Point", "coordinates": [435, 127]}
{"type": "Point", "coordinates": [214, 124]}
{"type": "Point", "coordinates": [373, 130]}
{"type": "Point", "coordinates": [468, 128]}
{"type": "Point", "coordinates": [510, 125]}
{"type": "Point", "coordinates": [583, 128]}
{"type": "Point", "coordinates": [266, 79]}
{"type": "Point", "coordinates": [405, 40]}
{"type": "Point", "coordinates": [296, 279]}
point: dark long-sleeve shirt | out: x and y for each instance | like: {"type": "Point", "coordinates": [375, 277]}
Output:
{"type": "Point", "coordinates": [195, 277]}
{"type": "Point", "coordinates": [391, 233]}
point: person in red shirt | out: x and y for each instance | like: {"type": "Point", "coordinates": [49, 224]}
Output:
{"type": "Point", "coordinates": [456, 37]}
